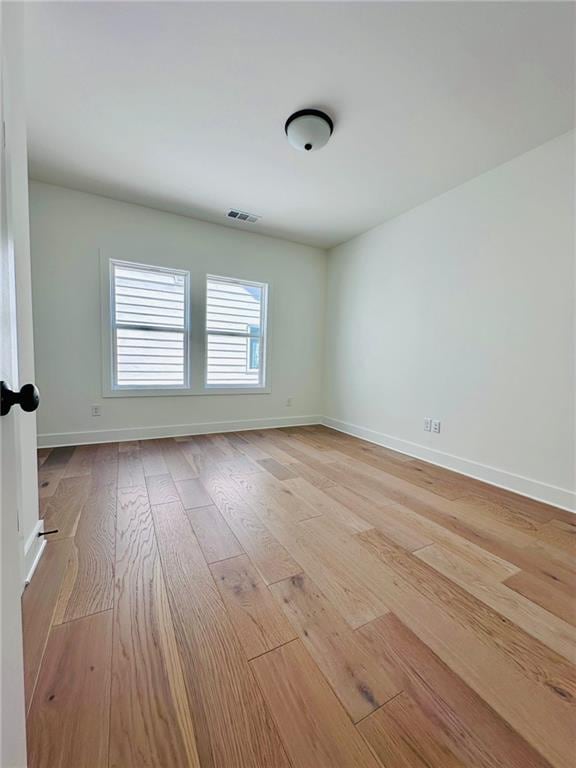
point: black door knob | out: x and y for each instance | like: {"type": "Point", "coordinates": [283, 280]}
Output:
{"type": "Point", "coordinates": [28, 398]}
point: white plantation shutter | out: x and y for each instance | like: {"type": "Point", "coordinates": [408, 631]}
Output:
{"type": "Point", "coordinates": [235, 333]}
{"type": "Point", "coordinates": [149, 308]}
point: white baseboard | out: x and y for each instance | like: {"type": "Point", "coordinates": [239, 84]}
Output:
{"type": "Point", "coordinates": [525, 486]}
{"type": "Point", "coordinates": [33, 549]}
{"type": "Point", "coordinates": [55, 439]}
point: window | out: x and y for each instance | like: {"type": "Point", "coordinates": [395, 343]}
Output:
{"type": "Point", "coordinates": [235, 333]}
{"type": "Point", "coordinates": [149, 308]}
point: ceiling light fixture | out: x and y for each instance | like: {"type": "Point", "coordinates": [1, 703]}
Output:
{"type": "Point", "coordinates": [309, 129]}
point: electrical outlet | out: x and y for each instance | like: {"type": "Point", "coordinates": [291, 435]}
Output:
{"type": "Point", "coordinates": [96, 410]}
{"type": "Point", "coordinates": [436, 426]}
{"type": "Point", "coordinates": [288, 402]}
{"type": "Point", "coordinates": [427, 424]}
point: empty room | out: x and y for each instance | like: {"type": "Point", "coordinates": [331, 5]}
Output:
{"type": "Point", "coordinates": [288, 392]}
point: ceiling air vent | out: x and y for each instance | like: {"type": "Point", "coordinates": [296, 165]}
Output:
{"type": "Point", "coordinates": [251, 218]}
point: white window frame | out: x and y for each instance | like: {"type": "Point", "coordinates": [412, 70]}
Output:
{"type": "Point", "coordinates": [109, 386]}
{"type": "Point", "coordinates": [263, 386]}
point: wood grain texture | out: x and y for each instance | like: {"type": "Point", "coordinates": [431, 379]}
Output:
{"type": "Point", "coordinates": [68, 723]}
{"type": "Point", "coordinates": [38, 606]}
{"type": "Point", "coordinates": [48, 480]}
{"type": "Point", "coordinates": [325, 504]}
{"type": "Point", "coordinates": [144, 725]}
{"type": "Point", "coordinates": [62, 510]}
{"type": "Point", "coordinates": [152, 457]}
{"type": "Point", "coordinates": [161, 489]}
{"type": "Point", "coordinates": [403, 737]}
{"type": "Point", "coordinates": [89, 580]}
{"type": "Point", "coordinates": [267, 554]}
{"type": "Point", "coordinates": [345, 571]}
{"type": "Point", "coordinates": [530, 687]}
{"type": "Point", "coordinates": [341, 654]}
{"type": "Point", "coordinates": [232, 724]}
{"type": "Point", "coordinates": [80, 462]}
{"type": "Point", "coordinates": [130, 469]}
{"type": "Point", "coordinates": [433, 614]}
{"type": "Point", "coordinates": [180, 466]}
{"type": "Point", "coordinates": [192, 493]}
{"type": "Point", "coordinates": [472, 729]}
{"type": "Point", "coordinates": [257, 619]}
{"type": "Point", "coordinates": [216, 540]}
{"type": "Point", "coordinates": [294, 689]}
{"type": "Point", "coordinates": [542, 593]}
{"type": "Point", "coordinates": [538, 622]}
{"type": "Point", "coordinates": [279, 471]}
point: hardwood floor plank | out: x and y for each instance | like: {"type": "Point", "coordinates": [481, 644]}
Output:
{"type": "Point", "coordinates": [68, 723]}
{"type": "Point", "coordinates": [216, 540]}
{"type": "Point", "coordinates": [104, 473]}
{"type": "Point", "coordinates": [38, 605]}
{"type": "Point", "coordinates": [403, 737]}
{"type": "Point", "coordinates": [537, 621]}
{"type": "Point", "coordinates": [436, 612]}
{"type": "Point", "coordinates": [472, 729]}
{"type": "Point", "coordinates": [152, 457]}
{"type": "Point", "coordinates": [385, 519]}
{"type": "Point", "coordinates": [257, 619]}
{"type": "Point", "coordinates": [523, 652]}
{"type": "Point", "coordinates": [80, 463]}
{"type": "Point", "coordinates": [528, 685]}
{"type": "Point", "coordinates": [270, 558]}
{"type": "Point", "coordinates": [325, 504]}
{"type": "Point", "coordinates": [62, 510]}
{"type": "Point", "coordinates": [59, 457]}
{"type": "Point", "coordinates": [307, 473]}
{"type": "Point", "coordinates": [48, 480]}
{"type": "Point", "coordinates": [314, 727]}
{"type": "Point", "coordinates": [130, 469]}
{"type": "Point", "coordinates": [161, 489]}
{"type": "Point", "coordinates": [145, 730]}
{"type": "Point", "coordinates": [232, 723]}
{"type": "Point", "coordinates": [192, 493]}
{"type": "Point", "coordinates": [273, 500]}
{"type": "Point", "coordinates": [179, 465]}
{"type": "Point", "coordinates": [542, 593]}
{"type": "Point", "coordinates": [279, 471]}
{"type": "Point", "coordinates": [89, 580]}
{"type": "Point", "coordinates": [559, 535]}
{"type": "Point", "coordinates": [341, 654]}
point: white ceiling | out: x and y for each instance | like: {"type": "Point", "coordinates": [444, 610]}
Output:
{"type": "Point", "coordinates": [181, 106]}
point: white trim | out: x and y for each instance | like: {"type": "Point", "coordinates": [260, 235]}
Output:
{"type": "Point", "coordinates": [33, 550]}
{"type": "Point", "coordinates": [525, 486]}
{"type": "Point", "coordinates": [55, 439]}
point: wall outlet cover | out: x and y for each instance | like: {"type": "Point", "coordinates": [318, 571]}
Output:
{"type": "Point", "coordinates": [436, 426]}
{"type": "Point", "coordinates": [427, 424]}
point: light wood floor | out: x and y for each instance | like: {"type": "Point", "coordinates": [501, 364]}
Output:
{"type": "Point", "coordinates": [297, 598]}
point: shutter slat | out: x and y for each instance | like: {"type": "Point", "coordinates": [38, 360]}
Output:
{"type": "Point", "coordinates": [234, 313]}
{"type": "Point", "coordinates": [145, 298]}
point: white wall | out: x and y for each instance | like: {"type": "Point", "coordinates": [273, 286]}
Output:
{"type": "Point", "coordinates": [463, 310]}
{"type": "Point", "coordinates": [68, 228]}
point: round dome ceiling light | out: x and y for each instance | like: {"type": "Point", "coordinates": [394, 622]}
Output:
{"type": "Point", "coordinates": [309, 129]}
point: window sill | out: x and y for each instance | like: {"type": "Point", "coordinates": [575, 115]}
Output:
{"type": "Point", "coordinates": [180, 392]}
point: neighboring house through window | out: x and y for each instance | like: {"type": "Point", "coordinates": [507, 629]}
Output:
{"type": "Point", "coordinates": [235, 333]}
{"type": "Point", "coordinates": [149, 319]}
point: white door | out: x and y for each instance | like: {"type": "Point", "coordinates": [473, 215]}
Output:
{"type": "Point", "coordinates": [12, 713]}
